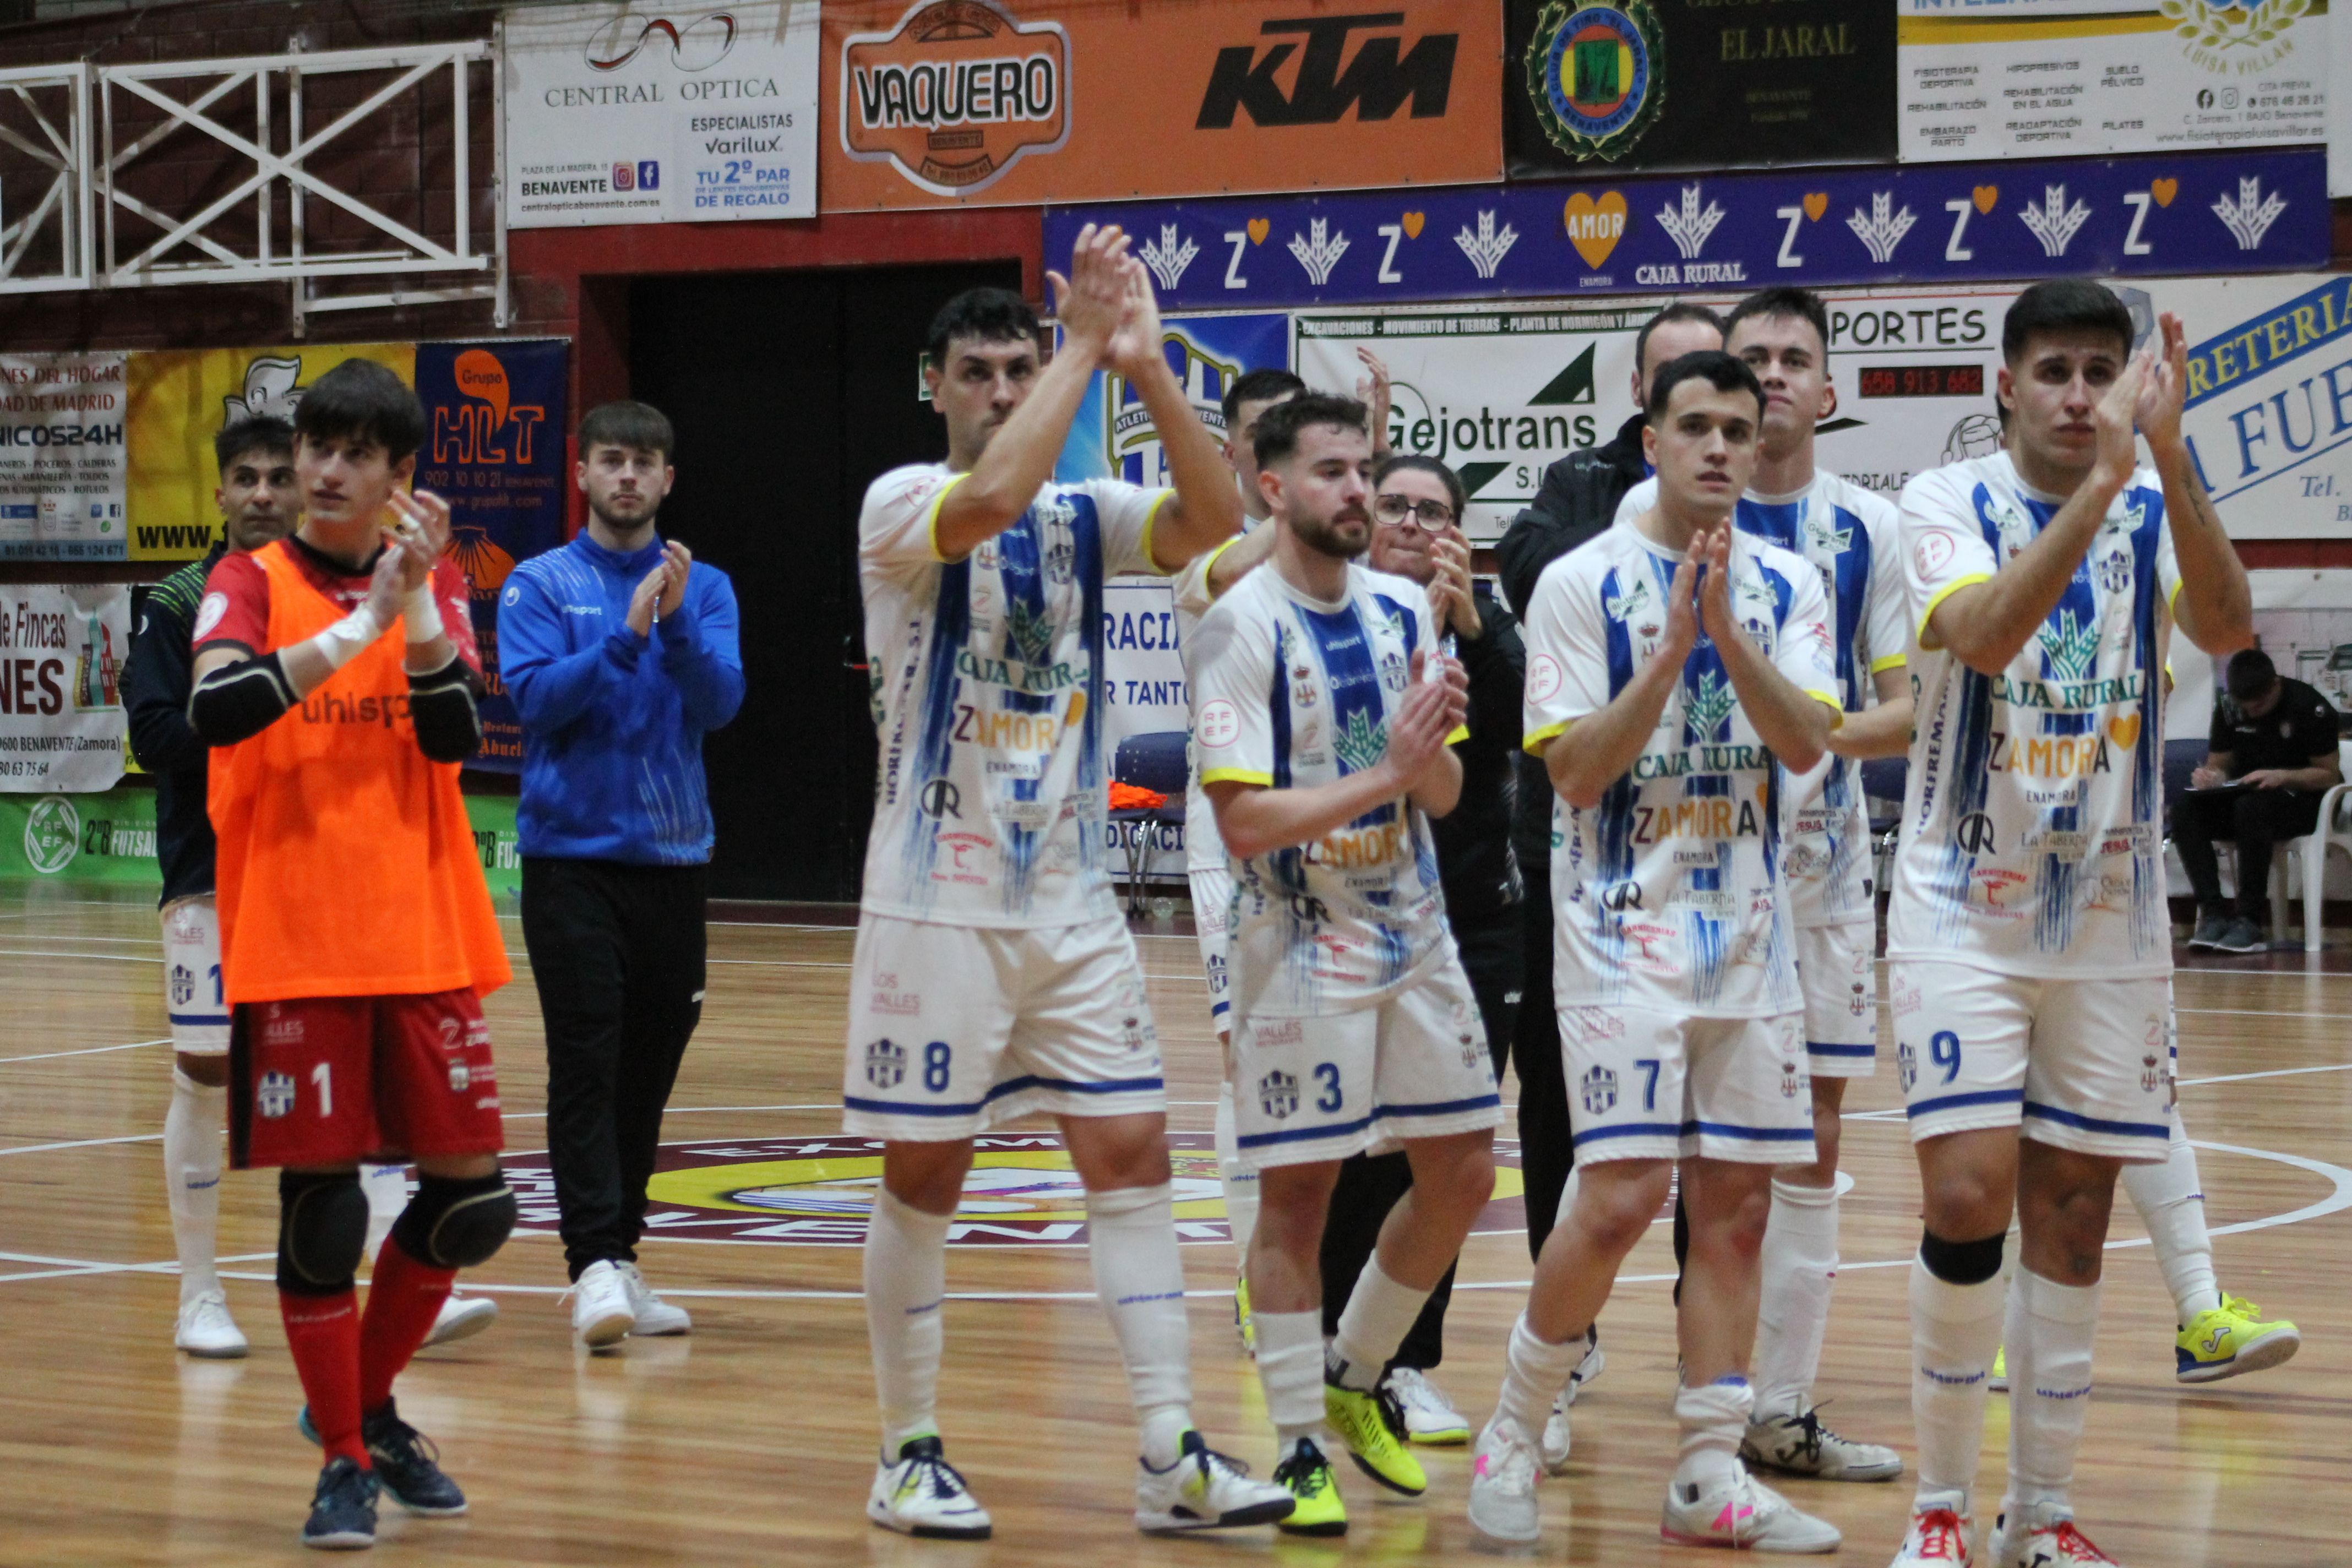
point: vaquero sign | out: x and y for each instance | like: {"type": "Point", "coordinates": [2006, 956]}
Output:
{"type": "Point", "coordinates": [2190, 213]}
{"type": "Point", "coordinates": [973, 102]}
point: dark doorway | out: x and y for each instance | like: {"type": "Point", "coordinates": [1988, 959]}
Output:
{"type": "Point", "coordinates": [790, 393]}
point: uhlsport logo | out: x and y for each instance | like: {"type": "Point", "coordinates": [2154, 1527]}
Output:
{"type": "Point", "coordinates": [957, 95]}
{"type": "Point", "coordinates": [1596, 75]}
{"type": "Point", "coordinates": [52, 835]}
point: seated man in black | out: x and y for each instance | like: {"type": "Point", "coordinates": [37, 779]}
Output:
{"type": "Point", "coordinates": [2272, 756]}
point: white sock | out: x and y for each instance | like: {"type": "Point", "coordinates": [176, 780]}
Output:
{"type": "Point", "coordinates": [1379, 1314]}
{"type": "Point", "coordinates": [386, 1188]}
{"type": "Point", "coordinates": [192, 1175]}
{"type": "Point", "coordinates": [2171, 1204]}
{"type": "Point", "coordinates": [1955, 1330]}
{"type": "Point", "coordinates": [2049, 1332]}
{"type": "Point", "coordinates": [1799, 1264]}
{"type": "Point", "coordinates": [906, 1286]}
{"type": "Point", "coordinates": [1291, 1367]}
{"type": "Point", "coordinates": [1240, 1183]}
{"type": "Point", "coordinates": [1139, 1279]}
{"type": "Point", "coordinates": [1713, 1418]}
{"type": "Point", "coordinates": [1535, 1372]}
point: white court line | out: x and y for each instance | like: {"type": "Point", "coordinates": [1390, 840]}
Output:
{"type": "Point", "coordinates": [85, 1051]}
{"type": "Point", "coordinates": [2274, 1073]}
{"type": "Point", "coordinates": [100, 957]}
{"type": "Point", "coordinates": [84, 1143]}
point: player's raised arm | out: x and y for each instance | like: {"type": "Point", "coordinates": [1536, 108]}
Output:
{"type": "Point", "coordinates": [1205, 509]}
{"type": "Point", "coordinates": [2215, 605]}
{"type": "Point", "coordinates": [1593, 751]}
{"type": "Point", "coordinates": [1793, 717]}
{"type": "Point", "coordinates": [239, 693]}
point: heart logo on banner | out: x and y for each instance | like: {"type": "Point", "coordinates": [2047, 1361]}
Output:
{"type": "Point", "coordinates": [1412, 222]}
{"type": "Point", "coordinates": [2164, 191]}
{"type": "Point", "coordinates": [1816, 204]}
{"type": "Point", "coordinates": [1594, 227]}
{"type": "Point", "coordinates": [1258, 229]}
{"type": "Point", "coordinates": [2124, 731]}
{"type": "Point", "coordinates": [1985, 196]}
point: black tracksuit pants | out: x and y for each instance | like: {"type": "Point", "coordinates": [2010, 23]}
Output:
{"type": "Point", "coordinates": [2257, 819]}
{"type": "Point", "coordinates": [618, 954]}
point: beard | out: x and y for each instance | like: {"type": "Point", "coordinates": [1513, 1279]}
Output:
{"type": "Point", "coordinates": [620, 523]}
{"type": "Point", "coordinates": [1332, 535]}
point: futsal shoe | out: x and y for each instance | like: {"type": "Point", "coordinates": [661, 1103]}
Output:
{"type": "Point", "coordinates": [601, 1315]}
{"type": "Point", "coordinates": [205, 1330]}
{"type": "Point", "coordinates": [1998, 1380]}
{"type": "Point", "coordinates": [2044, 1536]}
{"type": "Point", "coordinates": [1205, 1490]}
{"type": "Point", "coordinates": [2211, 926]}
{"type": "Point", "coordinates": [1370, 1425]}
{"type": "Point", "coordinates": [406, 1462]}
{"type": "Point", "coordinates": [1243, 1327]}
{"type": "Point", "coordinates": [921, 1494]}
{"type": "Point", "coordinates": [654, 1317]}
{"type": "Point", "coordinates": [343, 1510]}
{"type": "Point", "coordinates": [2243, 936]}
{"type": "Point", "coordinates": [1502, 1477]}
{"type": "Point", "coordinates": [1742, 1512]}
{"type": "Point", "coordinates": [1799, 1445]}
{"type": "Point", "coordinates": [1317, 1507]}
{"type": "Point", "coordinates": [461, 1318]}
{"type": "Point", "coordinates": [1556, 1433]}
{"type": "Point", "coordinates": [1430, 1419]}
{"type": "Point", "coordinates": [1938, 1538]}
{"type": "Point", "coordinates": [2229, 1340]}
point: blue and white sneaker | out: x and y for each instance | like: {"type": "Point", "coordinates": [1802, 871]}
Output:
{"type": "Point", "coordinates": [343, 1510]}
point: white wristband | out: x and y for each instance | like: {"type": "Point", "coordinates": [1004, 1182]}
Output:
{"type": "Point", "coordinates": [420, 614]}
{"type": "Point", "coordinates": [347, 639]}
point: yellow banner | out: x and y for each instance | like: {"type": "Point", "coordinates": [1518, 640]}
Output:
{"type": "Point", "coordinates": [179, 399]}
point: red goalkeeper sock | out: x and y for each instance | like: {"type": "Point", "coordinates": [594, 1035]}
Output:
{"type": "Point", "coordinates": [324, 1334]}
{"type": "Point", "coordinates": [403, 1299]}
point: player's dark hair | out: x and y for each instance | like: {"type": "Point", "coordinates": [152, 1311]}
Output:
{"type": "Point", "coordinates": [2064, 305]}
{"type": "Point", "coordinates": [2251, 675]}
{"type": "Point", "coordinates": [262, 433]}
{"type": "Point", "coordinates": [633, 426]}
{"type": "Point", "coordinates": [1275, 435]}
{"type": "Point", "coordinates": [983, 315]}
{"type": "Point", "coordinates": [1719, 370]}
{"type": "Point", "coordinates": [362, 400]}
{"type": "Point", "coordinates": [1683, 311]}
{"type": "Point", "coordinates": [1402, 461]}
{"type": "Point", "coordinates": [1767, 304]}
{"type": "Point", "coordinates": [1259, 386]}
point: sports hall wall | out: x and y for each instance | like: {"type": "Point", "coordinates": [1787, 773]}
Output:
{"type": "Point", "coordinates": [1419, 188]}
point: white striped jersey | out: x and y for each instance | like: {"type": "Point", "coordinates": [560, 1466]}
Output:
{"type": "Point", "coordinates": [1203, 849]}
{"type": "Point", "coordinates": [990, 801]}
{"type": "Point", "coordinates": [2033, 818]}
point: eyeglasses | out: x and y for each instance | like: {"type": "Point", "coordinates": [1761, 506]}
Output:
{"type": "Point", "coordinates": [1429, 516]}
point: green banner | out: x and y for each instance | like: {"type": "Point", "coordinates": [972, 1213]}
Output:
{"type": "Point", "coordinates": [110, 837]}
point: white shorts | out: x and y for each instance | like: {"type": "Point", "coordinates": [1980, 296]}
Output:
{"type": "Point", "coordinates": [1213, 894]}
{"type": "Point", "coordinates": [1833, 968]}
{"type": "Point", "coordinates": [2084, 1064]}
{"type": "Point", "coordinates": [957, 1029]}
{"type": "Point", "coordinates": [191, 977]}
{"type": "Point", "coordinates": [1647, 1084]}
{"type": "Point", "coordinates": [1415, 1065]}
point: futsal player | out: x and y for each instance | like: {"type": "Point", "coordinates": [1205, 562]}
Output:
{"type": "Point", "coordinates": [2028, 941]}
{"type": "Point", "coordinates": [1848, 534]}
{"type": "Point", "coordinates": [993, 976]}
{"type": "Point", "coordinates": [356, 932]}
{"type": "Point", "coordinates": [1322, 708]}
{"type": "Point", "coordinates": [1676, 665]}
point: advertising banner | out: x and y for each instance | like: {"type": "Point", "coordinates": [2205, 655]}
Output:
{"type": "Point", "coordinates": [978, 102]}
{"type": "Point", "coordinates": [61, 650]}
{"type": "Point", "coordinates": [616, 115]}
{"type": "Point", "coordinates": [2044, 78]}
{"type": "Point", "coordinates": [2245, 212]}
{"type": "Point", "coordinates": [61, 456]}
{"type": "Point", "coordinates": [1690, 84]}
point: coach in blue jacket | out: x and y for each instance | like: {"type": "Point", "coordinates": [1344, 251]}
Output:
{"type": "Point", "coordinates": [620, 652]}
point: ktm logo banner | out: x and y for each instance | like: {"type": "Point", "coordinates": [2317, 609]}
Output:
{"type": "Point", "coordinates": [972, 102]}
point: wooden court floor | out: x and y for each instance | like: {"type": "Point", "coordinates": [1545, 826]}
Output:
{"type": "Point", "coordinates": [751, 1442]}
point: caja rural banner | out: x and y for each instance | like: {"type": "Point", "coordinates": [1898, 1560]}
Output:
{"type": "Point", "coordinates": [1987, 78]}
{"type": "Point", "coordinates": [1696, 84]}
{"type": "Point", "coordinates": [61, 456]}
{"type": "Point", "coordinates": [617, 115]}
{"type": "Point", "coordinates": [948, 102]}
{"type": "Point", "coordinates": [62, 726]}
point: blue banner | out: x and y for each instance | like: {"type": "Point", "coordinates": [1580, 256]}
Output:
{"type": "Point", "coordinates": [496, 416]}
{"type": "Point", "coordinates": [1949, 223]}
{"type": "Point", "coordinates": [1112, 435]}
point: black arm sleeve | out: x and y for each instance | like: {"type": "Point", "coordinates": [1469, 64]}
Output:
{"type": "Point", "coordinates": [1497, 663]}
{"type": "Point", "coordinates": [155, 694]}
{"type": "Point", "coordinates": [238, 701]}
{"type": "Point", "coordinates": [441, 706]}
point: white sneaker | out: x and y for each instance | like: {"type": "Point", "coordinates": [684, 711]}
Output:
{"type": "Point", "coordinates": [921, 1494]}
{"type": "Point", "coordinates": [1429, 1416]}
{"type": "Point", "coordinates": [1503, 1483]}
{"type": "Point", "coordinates": [205, 1330]}
{"type": "Point", "coordinates": [601, 1315]}
{"type": "Point", "coordinates": [1205, 1490]}
{"type": "Point", "coordinates": [1799, 1445]}
{"type": "Point", "coordinates": [462, 1317]}
{"type": "Point", "coordinates": [2044, 1536]}
{"type": "Point", "coordinates": [654, 1315]}
{"type": "Point", "coordinates": [1556, 1433]}
{"type": "Point", "coordinates": [1938, 1538]}
{"type": "Point", "coordinates": [1742, 1512]}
